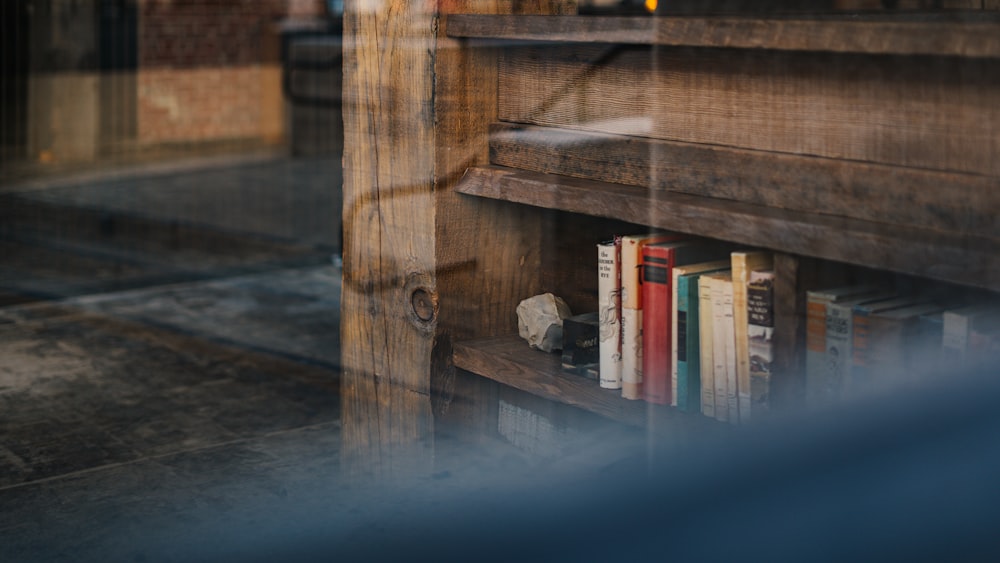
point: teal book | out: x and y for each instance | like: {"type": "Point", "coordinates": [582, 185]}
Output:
{"type": "Point", "coordinates": [688, 345]}
{"type": "Point", "coordinates": [861, 376]}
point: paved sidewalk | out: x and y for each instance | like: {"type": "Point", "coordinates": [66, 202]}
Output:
{"type": "Point", "coordinates": [134, 225]}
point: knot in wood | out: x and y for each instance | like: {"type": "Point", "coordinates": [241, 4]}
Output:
{"type": "Point", "coordinates": [424, 304]}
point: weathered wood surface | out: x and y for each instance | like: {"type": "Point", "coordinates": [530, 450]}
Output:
{"type": "Point", "coordinates": [508, 360]}
{"type": "Point", "coordinates": [389, 235]}
{"type": "Point", "coordinates": [956, 202]}
{"type": "Point", "coordinates": [421, 268]}
{"type": "Point", "coordinates": [487, 253]}
{"type": "Point", "coordinates": [925, 112]}
{"type": "Point", "coordinates": [964, 35]}
{"type": "Point", "coordinates": [788, 363]}
{"type": "Point", "coordinates": [965, 259]}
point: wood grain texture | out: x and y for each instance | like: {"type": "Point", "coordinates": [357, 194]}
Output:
{"type": "Point", "coordinates": [788, 363]}
{"type": "Point", "coordinates": [965, 259]}
{"type": "Point", "coordinates": [956, 202]}
{"type": "Point", "coordinates": [965, 35]}
{"type": "Point", "coordinates": [389, 235]}
{"type": "Point", "coordinates": [508, 360]}
{"type": "Point", "coordinates": [487, 253]}
{"type": "Point", "coordinates": [925, 112]}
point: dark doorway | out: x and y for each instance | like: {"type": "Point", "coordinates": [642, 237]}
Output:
{"type": "Point", "coordinates": [14, 27]}
{"type": "Point", "coordinates": [117, 59]}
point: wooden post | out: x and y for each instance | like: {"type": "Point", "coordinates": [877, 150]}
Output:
{"type": "Point", "coordinates": [417, 107]}
{"type": "Point", "coordinates": [387, 308]}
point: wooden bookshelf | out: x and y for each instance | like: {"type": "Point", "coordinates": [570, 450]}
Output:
{"type": "Point", "coordinates": [926, 253]}
{"type": "Point", "coordinates": [513, 142]}
{"type": "Point", "coordinates": [508, 360]}
{"type": "Point", "coordinates": [962, 35]}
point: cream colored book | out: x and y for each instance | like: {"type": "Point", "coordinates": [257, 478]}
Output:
{"type": "Point", "coordinates": [720, 355]}
{"type": "Point", "coordinates": [706, 348]}
{"type": "Point", "coordinates": [631, 261]}
{"type": "Point", "coordinates": [609, 305]}
{"type": "Point", "coordinates": [743, 263]}
{"type": "Point", "coordinates": [675, 334]}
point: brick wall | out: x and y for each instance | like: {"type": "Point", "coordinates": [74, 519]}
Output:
{"type": "Point", "coordinates": [197, 33]}
{"type": "Point", "coordinates": [209, 69]}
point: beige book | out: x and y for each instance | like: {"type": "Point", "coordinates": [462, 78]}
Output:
{"type": "Point", "coordinates": [707, 358]}
{"type": "Point", "coordinates": [743, 263]}
{"type": "Point", "coordinates": [631, 261]}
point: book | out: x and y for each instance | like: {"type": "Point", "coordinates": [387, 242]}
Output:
{"type": "Point", "coordinates": [744, 262]}
{"type": "Point", "coordinates": [892, 336]}
{"type": "Point", "coordinates": [631, 319]}
{"type": "Point", "coordinates": [958, 325]}
{"type": "Point", "coordinates": [580, 346]}
{"type": "Point", "coordinates": [706, 350]}
{"type": "Point", "coordinates": [984, 344]}
{"type": "Point", "coordinates": [722, 347]}
{"type": "Point", "coordinates": [658, 261]}
{"type": "Point", "coordinates": [819, 388]}
{"type": "Point", "coordinates": [609, 303]}
{"type": "Point", "coordinates": [930, 333]}
{"type": "Point", "coordinates": [685, 338]}
{"type": "Point", "coordinates": [860, 381]}
{"type": "Point", "coordinates": [729, 337]}
{"type": "Point", "coordinates": [839, 340]}
{"type": "Point", "coordinates": [760, 331]}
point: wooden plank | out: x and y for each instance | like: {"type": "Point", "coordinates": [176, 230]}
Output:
{"type": "Point", "coordinates": [964, 35]}
{"type": "Point", "coordinates": [923, 112]}
{"type": "Point", "coordinates": [965, 259]}
{"type": "Point", "coordinates": [788, 364]}
{"type": "Point", "coordinates": [487, 253]}
{"type": "Point", "coordinates": [508, 360]}
{"type": "Point", "coordinates": [389, 236]}
{"type": "Point", "coordinates": [956, 202]}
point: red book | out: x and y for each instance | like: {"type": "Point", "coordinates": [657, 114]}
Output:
{"type": "Point", "coordinates": [658, 261]}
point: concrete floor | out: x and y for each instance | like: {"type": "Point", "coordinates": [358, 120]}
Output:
{"type": "Point", "coordinates": [169, 371]}
{"type": "Point", "coordinates": [169, 352]}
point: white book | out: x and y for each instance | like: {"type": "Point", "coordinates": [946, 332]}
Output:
{"type": "Point", "coordinates": [705, 333]}
{"type": "Point", "coordinates": [729, 334]}
{"type": "Point", "coordinates": [610, 310]}
{"type": "Point", "coordinates": [719, 353]}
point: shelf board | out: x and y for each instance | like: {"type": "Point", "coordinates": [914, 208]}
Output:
{"type": "Point", "coordinates": [948, 201]}
{"type": "Point", "coordinates": [509, 360]}
{"type": "Point", "coordinates": [964, 35]}
{"type": "Point", "coordinates": [928, 253]}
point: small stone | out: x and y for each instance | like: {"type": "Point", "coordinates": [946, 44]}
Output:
{"type": "Point", "coordinates": [540, 321]}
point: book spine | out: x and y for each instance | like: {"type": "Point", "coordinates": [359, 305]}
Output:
{"type": "Point", "coordinates": [885, 356]}
{"type": "Point", "coordinates": [860, 323]}
{"type": "Point", "coordinates": [930, 332]}
{"type": "Point", "coordinates": [815, 348]}
{"type": "Point", "coordinates": [675, 337]}
{"type": "Point", "coordinates": [610, 313]}
{"type": "Point", "coordinates": [631, 353]}
{"type": "Point", "coordinates": [680, 337]}
{"type": "Point", "coordinates": [839, 347]}
{"type": "Point", "coordinates": [742, 264]}
{"type": "Point", "coordinates": [655, 326]}
{"type": "Point", "coordinates": [631, 296]}
{"type": "Point", "coordinates": [706, 347]}
{"type": "Point", "coordinates": [954, 338]}
{"type": "Point", "coordinates": [760, 329]}
{"type": "Point", "coordinates": [732, 384]}
{"type": "Point", "coordinates": [719, 352]}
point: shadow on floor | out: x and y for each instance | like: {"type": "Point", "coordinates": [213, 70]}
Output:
{"type": "Point", "coordinates": [169, 346]}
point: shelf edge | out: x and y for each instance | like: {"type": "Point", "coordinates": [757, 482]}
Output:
{"type": "Point", "coordinates": [978, 38]}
